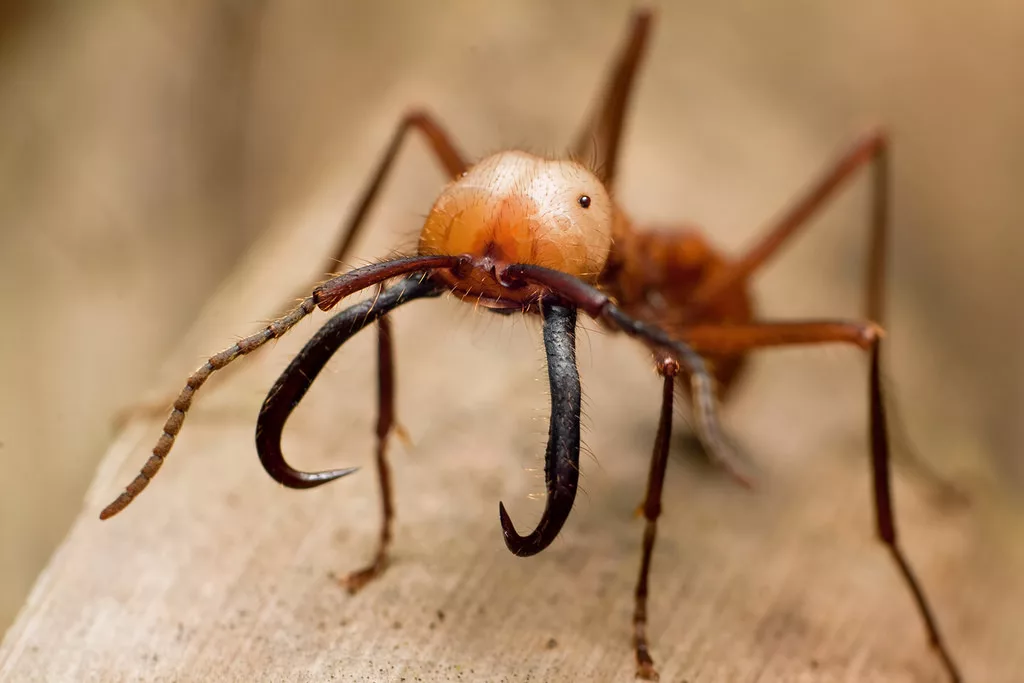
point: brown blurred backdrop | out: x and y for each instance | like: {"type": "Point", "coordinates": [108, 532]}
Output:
{"type": "Point", "coordinates": [144, 147]}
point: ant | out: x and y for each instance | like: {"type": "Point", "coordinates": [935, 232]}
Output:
{"type": "Point", "coordinates": [516, 233]}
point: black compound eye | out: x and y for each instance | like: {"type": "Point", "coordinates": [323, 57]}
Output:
{"type": "Point", "coordinates": [584, 201]}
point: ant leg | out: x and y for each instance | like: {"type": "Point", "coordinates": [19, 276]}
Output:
{"type": "Point", "coordinates": [330, 293]}
{"type": "Point", "coordinates": [446, 152]}
{"type": "Point", "coordinates": [872, 150]}
{"type": "Point", "coordinates": [293, 384]}
{"type": "Point", "coordinates": [867, 335]}
{"type": "Point", "coordinates": [441, 144]}
{"type": "Point", "coordinates": [385, 422]}
{"type": "Point", "coordinates": [340, 286]}
{"type": "Point", "coordinates": [712, 340]}
{"type": "Point", "coordinates": [599, 139]}
{"type": "Point", "coordinates": [290, 388]}
{"type": "Point", "coordinates": [667, 368]}
{"type": "Point", "coordinates": [599, 306]}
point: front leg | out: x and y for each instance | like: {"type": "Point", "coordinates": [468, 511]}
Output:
{"type": "Point", "coordinates": [385, 423]}
{"type": "Point", "coordinates": [300, 374]}
{"type": "Point", "coordinates": [667, 368]}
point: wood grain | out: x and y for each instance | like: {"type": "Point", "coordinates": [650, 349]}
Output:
{"type": "Point", "coordinates": [218, 574]}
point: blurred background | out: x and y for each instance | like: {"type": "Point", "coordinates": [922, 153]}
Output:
{"type": "Point", "coordinates": [145, 147]}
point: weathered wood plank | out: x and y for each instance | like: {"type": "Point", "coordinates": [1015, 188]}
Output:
{"type": "Point", "coordinates": [216, 573]}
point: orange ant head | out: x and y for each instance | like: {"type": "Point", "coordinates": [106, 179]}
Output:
{"type": "Point", "coordinates": [514, 207]}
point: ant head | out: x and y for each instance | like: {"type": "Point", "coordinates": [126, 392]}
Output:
{"type": "Point", "coordinates": [514, 207]}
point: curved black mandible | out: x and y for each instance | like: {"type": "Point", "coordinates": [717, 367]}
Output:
{"type": "Point", "coordinates": [295, 381]}
{"type": "Point", "coordinates": [562, 459]}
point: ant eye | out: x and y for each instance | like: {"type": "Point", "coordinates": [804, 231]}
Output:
{"type": "Point", "coordinates": [584, 201]}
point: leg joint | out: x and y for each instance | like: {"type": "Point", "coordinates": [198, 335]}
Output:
{"type": "Point", "coordinates": [666, 365]}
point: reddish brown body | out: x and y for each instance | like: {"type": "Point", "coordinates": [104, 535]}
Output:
{"type": "Point", "coordinates": [654, 273]}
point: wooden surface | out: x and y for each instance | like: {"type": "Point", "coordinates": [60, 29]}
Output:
{"type": "Point", "coordinates": [135, 160]}
{"type": "Point", "coordinates": [217, 573]}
